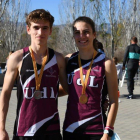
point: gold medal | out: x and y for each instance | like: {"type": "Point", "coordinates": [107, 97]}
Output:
{"type": "Point", "coordinates": [83, 99]}
{"type": "Point", "coordinates": [37, 94]}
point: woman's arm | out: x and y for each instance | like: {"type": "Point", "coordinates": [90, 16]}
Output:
{"type": "Point", "coordinates": [112, 85]}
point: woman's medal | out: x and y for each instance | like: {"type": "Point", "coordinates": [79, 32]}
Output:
{"type": "Point", "coordinates": [37, 93]}
{"type": "Point", "coordinates": [83, 99]}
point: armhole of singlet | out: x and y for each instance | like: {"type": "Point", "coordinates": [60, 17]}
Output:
{"type": "Point", "coordinates": [24, 53]}
{"type": "Point", "coordinates": [72, 56]}
{"type": "Point", "coordinates": [51, 53]}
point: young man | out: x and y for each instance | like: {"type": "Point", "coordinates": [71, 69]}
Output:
{"type": "Point", "coordinates": [131, 58]}
{"type": "Point", "coordinates": [38, 70]}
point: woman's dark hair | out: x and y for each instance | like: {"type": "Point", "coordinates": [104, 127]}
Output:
{"type": "Point", "coordinates": [99, 45]}
{"type": "Point", "coordinates": [88, 21]}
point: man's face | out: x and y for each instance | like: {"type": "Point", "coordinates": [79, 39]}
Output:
{"type": "Point", "coordinates": [39, 32]}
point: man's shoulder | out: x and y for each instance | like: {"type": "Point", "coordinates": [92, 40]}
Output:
{"type": "Point", "coordinates": [16, 56]}
{"type": "Point", "coordinates": [58, 54]}
{"type": "Point", "coordinates": [59, 58]}
{"type": "Point", "coordinates": [15, 60]}
{"type": "Point", "coordinates": [137, 48]}
{"type": "Point", "coordinates": [129, 46]}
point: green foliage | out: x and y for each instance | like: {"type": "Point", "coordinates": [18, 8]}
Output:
{"type": "Point", "coordinates": [53, 38]}
{"type": "Point", "coordinates": [120, 28]}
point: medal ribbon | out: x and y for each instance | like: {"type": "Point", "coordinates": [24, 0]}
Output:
{"type": "Point", "coordinates": [84, 82]}
{"type": "Point", "coordinates": [38, 77]}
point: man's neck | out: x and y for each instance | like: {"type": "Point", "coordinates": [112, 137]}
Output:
{"type": "Point", "coordinates": [133, 42]}
{"type": "Point", "coordinates": [40, 51]}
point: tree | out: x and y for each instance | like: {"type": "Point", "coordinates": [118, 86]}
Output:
{"type": "Point", "coordinates": [13, 25]}
{"type": "Point", "coordinates": [131, 20]}
{"type": "Point", "coordinates": [124, 13]}
{"type": "Point", "coordinates": [120, 20]}
{"type": "Point", "coordinates": [69, 10]}
{"type": "Point", "coordinates": [3, 5]}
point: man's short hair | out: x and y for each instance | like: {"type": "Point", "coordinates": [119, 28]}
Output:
{"type": "Point", "coordinates": [134, 39]}
{"type": "Point", "coordinates": [39, 15]}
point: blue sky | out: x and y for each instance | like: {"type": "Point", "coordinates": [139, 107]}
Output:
{"type": "Point", "coordinates": [51, 5]}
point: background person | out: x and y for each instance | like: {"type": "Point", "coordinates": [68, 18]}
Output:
{"type": "Point", "coordinates": [89, 75]}
{"type": "Point", "coordinates": [131, 59]}
{"type": "Point", "coordinates": [119, 72]}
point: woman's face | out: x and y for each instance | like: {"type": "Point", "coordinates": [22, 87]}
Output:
{"type": "Point", "coordinates": [83, 35]}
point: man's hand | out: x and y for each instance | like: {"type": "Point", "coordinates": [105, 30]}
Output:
{"type": "Point", "coordinates": [4, 135]}
{"type": "Point", "coordinates": [123, 68]}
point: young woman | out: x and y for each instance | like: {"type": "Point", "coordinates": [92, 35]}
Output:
{"type": "Point", "coordinates": [89, 75]}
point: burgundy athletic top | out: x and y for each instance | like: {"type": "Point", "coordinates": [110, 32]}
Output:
{"type": "Point", "coordinates": [37, 117]}
{"type": "Point", "coordinates": [86, 118]}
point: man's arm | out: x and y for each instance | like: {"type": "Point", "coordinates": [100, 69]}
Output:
{"type": "Point", "coordinates": [10, 76]}
{"type": "Point", "coordinates": [62, 92]}
{"type": "Point", "coordinates": [63, 88]}
{"type": "Point", "coordinates": [112, 85]}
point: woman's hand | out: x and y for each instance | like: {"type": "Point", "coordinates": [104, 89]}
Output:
{"type": "Point", "coordinates": [105, 137]}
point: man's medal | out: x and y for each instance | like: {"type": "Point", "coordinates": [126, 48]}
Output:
{"type": "Point", "coordinates": [83, 98]}
{"type": "Point", "coordinates": [37, 93]}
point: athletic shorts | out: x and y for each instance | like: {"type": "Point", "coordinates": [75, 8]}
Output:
{"type": "Point", "coordinates": [46, 137]}
{"type": "Point", "coordinates": [71, 136]}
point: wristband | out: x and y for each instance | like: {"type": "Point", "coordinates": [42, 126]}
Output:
{"type": "Point", "coordinates": [109, 127]}
{"type": "Point", "coordinates": [109, 132]}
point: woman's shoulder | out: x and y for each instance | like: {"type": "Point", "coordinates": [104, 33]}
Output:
{"type": "Point", "coordinates": [70, 56]}
{"type": "Point", "coordinates": [109, 63]}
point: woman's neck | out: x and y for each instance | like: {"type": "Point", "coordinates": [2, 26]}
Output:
{"type": "Point", "coordinates": [86, 55]}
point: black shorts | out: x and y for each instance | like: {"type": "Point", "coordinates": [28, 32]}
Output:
{"type": "Point", "coordinates": [72, 136]}
{"type": "Point", "coordinates": [45, 137]}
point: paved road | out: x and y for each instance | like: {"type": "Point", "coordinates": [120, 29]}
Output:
{"type": "Point", "coordinates": [127, 124]}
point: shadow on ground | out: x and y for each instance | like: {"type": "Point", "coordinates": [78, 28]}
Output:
{"type": "Point", "coordinates": [134, 97]}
